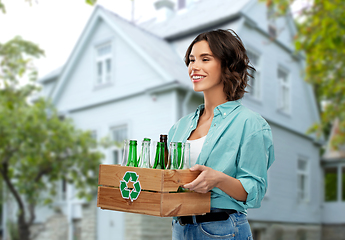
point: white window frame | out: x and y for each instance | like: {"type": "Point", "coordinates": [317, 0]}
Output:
{"type": "Point", "coordinates": [284, 96]}
{"type": "Point", "coordinates": [255, 82]}
{"type": "Point", "coordinates": [304, 174]}
{"type": "Point", "coordinates": [118, 149]}
{"type": "Point", "coordinates": [104, 60]}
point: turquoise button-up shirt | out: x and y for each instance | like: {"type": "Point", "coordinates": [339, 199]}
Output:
{"type": "Point", "coordinates": [239, 144]}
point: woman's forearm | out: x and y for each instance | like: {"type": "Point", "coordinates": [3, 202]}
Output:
{"type": "Point", "coordinates": [210, 178]}
{"type": "Point", "coordinates": [232, 186]}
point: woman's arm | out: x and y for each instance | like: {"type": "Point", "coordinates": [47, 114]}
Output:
{"type": "Point", "coordinates": [210, 178]}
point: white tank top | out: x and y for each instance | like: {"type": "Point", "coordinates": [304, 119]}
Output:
{"type": "Point", "coordinates": [195, 149]}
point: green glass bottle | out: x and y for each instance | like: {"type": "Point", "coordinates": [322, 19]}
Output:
{"type": "Point", "coordinates": [160, 156]}
{"type": "Point", "coordinates": [132, 155]}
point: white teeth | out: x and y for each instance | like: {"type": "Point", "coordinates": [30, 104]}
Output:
{"type": "Point", "coordinates": [197, 77]}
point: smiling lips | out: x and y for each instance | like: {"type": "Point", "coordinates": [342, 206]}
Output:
{"type": "Point", "coordinates": [197, 78]}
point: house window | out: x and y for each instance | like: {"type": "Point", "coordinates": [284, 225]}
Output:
{"type": "Point", "coordinates": [119, 134]}
{"type": "Point", "coordinates": [284, 96]}
{"type": "Point", "coordinates": [103, 64]}
{"type": "Point", "coordinates": [331, 184]}
{"type": "Point", "coordinates": [302, 179]}
{"type": "Point", "coordinates": [254, 81]}
{"type": "Point", "coordinates": [334, 183]}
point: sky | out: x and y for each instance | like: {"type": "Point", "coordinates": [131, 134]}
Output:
{"type": "Point", "coordinates": [56, 25]}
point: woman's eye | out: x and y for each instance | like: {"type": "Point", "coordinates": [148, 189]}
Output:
{"type": "Point", "coordinates": [206, 59]}
{"type": "Point", "coordinates": [191, 60]}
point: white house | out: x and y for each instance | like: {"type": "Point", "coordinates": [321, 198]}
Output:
{"type": "Point", "coordinates": [119, 74]}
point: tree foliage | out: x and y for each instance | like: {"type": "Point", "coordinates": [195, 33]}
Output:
{"type": "Point", "coordinates": [37, 147]}
{"type": "Point", "coordinates": [321, 36]}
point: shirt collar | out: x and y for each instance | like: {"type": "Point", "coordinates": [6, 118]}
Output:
{"type": "Point", "coordinates": [224, 109]}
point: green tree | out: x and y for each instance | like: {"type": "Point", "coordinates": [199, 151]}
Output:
{"type": "Point", "coordinates": [321, 36]}
{"type": "Point", "coordinates": [37, 147]}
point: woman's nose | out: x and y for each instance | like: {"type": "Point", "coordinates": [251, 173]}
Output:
{"type": "Point", "coordinates": [195, 67]}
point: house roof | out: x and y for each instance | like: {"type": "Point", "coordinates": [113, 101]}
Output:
{"type": "Point", "coordinates": [52, 75]}
{"type": "Point", "coordinates": [209, 13]}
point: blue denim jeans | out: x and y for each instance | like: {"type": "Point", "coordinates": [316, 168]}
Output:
{"type": "Point", "coordinates": [236, 227]}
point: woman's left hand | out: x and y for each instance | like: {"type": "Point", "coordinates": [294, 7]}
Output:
{"type": "Point", "coordinates": [207, 179]}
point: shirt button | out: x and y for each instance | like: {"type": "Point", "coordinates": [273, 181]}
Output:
{"type": "Point", "coordinates": [224, 113]}
{"type": "Point", "coordinates": [214, 125]}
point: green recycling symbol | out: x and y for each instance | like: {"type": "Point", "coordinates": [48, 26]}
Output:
{"type": "Point", "coordinates": [125, 191]}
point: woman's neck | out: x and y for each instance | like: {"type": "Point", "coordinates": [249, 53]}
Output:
{"type": "Point", "coordinates": [211, 102]}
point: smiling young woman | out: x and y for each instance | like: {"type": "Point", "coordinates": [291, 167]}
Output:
{"type": "Point", "coordinates": [231, 145]}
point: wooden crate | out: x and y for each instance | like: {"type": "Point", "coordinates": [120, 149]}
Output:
{"type": "Point", "coordinates": [158, 196]}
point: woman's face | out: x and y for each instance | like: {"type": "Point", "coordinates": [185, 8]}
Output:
{"type": "Point", "coordinates": [204, 69]}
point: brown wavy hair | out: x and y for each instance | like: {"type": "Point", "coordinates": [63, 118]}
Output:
{"type": "Point", "coordinates": [227, 46]}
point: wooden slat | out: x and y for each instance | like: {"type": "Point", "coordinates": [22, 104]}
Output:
{"type": "Point", "coordinates": [147, 203]}
{"type": "Point", "coordinates": [155, 204]}
{"type": "Point", "coordinates": [150, 179]}
{"type": "Point", "coordinates": [185, 203]}
{"type": "Point", "coordinates": [175, 178]}
{"type": "Point", "coordinates": [110, 175]}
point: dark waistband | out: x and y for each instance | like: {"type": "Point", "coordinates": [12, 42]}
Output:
{"type": "Point", "coordinates": [214, 215]}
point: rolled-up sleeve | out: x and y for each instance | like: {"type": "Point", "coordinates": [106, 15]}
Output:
{"type": "Point", "coordinates": [256, 155]}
